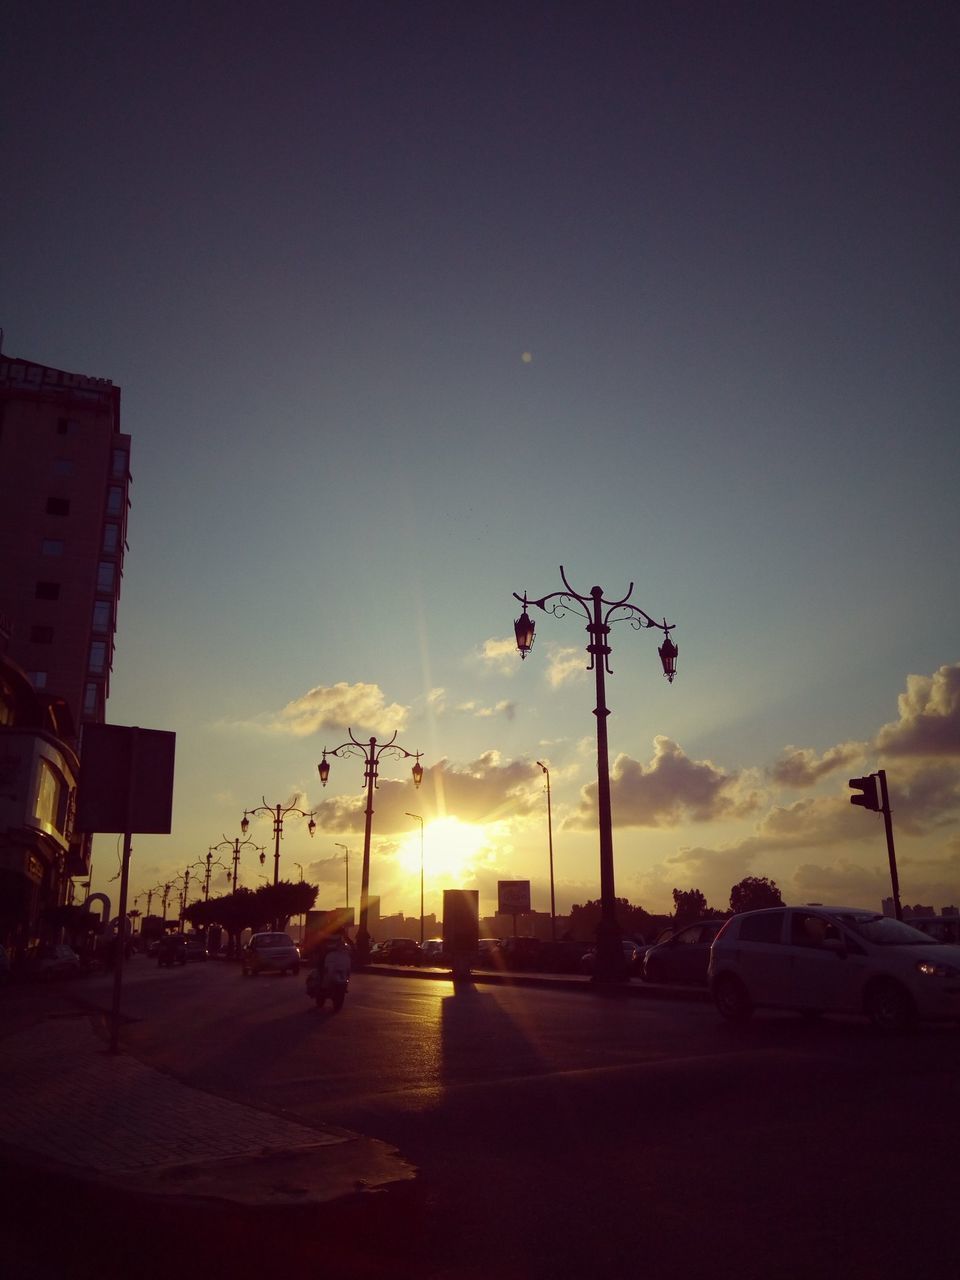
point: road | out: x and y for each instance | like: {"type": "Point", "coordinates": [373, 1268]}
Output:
{"type": "Point", "coordinates": [564, 1133]}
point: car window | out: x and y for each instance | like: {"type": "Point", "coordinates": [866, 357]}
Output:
{"type": "Point", "coordinates": [766, 926]}
{"type": "Point", "coordinates": [884, 931]}
{"type": "Point", "coordinates": [808, 929]}
{"type": "Point", "coordinates": [688, 936]}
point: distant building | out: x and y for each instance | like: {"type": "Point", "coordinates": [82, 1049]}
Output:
{"type": "Point", "coordinates": [64, 483]}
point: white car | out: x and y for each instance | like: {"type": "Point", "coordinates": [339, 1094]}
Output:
{"type": "Point", "coordinates": [818, 959]}
{"type": "Point", "coordinates": [270, 952]}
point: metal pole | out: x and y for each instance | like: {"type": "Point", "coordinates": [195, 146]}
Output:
{"type": "Point", "coordinates": [553, 905]}
{"type": "Point", "coordinates": [891, 852]}
{"type": "Point", "coordinates": [346, 863]}
{"type": "Point", "coordinates": [363, 935]}
{"type": "Point", "coordinates": [609, 955]}
{"type": "Point", "coordinates": [277, 829]}
{"type": "Point", "coordinates": [122, 908]}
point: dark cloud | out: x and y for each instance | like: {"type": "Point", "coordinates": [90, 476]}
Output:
{"type": "Point", "coordinates": [665, 792]}
{"type": "Point", "coordinates": [801, 767]}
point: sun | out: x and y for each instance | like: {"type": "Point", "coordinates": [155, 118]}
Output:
{"type": "Point", "coordinates": [450, 850]}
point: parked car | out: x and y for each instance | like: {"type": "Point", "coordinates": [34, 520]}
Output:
{"type": "Point", "coordinates": [397, 951]}
{"type": "Point", "coordinates": [432, 951]}
{"type": "Point", "coordinates": [561, 957]}
{"type": "Point", "coordinates": [490, 953]}
{"type": "Point", "coordinates": [196, 947]}
{"type": "Point", "coordinates": [171, 950]}
{"type": "Point", "coordinates": [521, 954]}
{"type": "Point", "coordinates": [632, 957]}
{"type": "Point", "coordinates": [833, 960]}
{"type": "Point", "coordinates": [270, 953]}
{"type": "Point", "coordinates": [683, 956]}
{"type": "Point", "coordinates": [51, 960]}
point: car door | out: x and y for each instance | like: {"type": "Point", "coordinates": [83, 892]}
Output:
{"type": "Point", "coordinates": [760, 957]}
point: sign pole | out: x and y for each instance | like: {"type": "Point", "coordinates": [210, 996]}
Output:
{"type": "Point", "coordinates": [122, 908]}
{"type": "Point", "coordinates": [891, 852]}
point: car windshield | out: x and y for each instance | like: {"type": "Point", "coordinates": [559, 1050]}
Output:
{"type": "Point", "coordinates": [275, 940]}
{"type": "Point", "coordinates": [884, 931]}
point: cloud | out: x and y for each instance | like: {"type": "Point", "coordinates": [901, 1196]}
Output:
{"type": "Point", "coordinates": [667, 790]}
{"type": "Point", "coordinates": [801, 767]}
{"type": "Point", "coordinates": [501, 655]}
{"type": "Point", "coordinates": [565, 665]}
{"type": "Point", "coordinates": [504, 708]}
{"type": "Point", "coordinates": [336, 707]}
{"type": "Point", "coordinates": [929, 720]}
{"type": "Point", "coordinates": [483, 791]}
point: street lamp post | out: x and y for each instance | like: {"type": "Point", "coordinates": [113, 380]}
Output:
{"type": "Point", "coordinates": [370, 752]}
{"type": "Point", "coordinates": [206, 877]}
{"type": "Point", "coordinates": [553, 904]}
{"type": "Point", "coordinates": [599, 613]}
{"type": "Point", "coordinates": [419, 819]}
{"type": "Point", "coordinates": [185, 890]}
{"type": "Point", "coordinates": [278, 813]}
{"type": "Point", "coordinates": [346, 868]}
{"type": "Point", "coordinates": [235, 845]}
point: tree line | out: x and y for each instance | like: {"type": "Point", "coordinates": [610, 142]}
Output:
{"type": "Point", "coordinates": [752, 893]}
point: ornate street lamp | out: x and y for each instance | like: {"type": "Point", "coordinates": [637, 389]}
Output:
{"type": "Point", "coordinates": [599, 613]}
{"type": "Point", "coordinates": [235, 845]}
{"type": "Point", "coordinates": [278, 813]}
{"type": "Point", "coordinates": [370, 752]}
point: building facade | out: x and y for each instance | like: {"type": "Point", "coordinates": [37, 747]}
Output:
{"type": "Point", "coordinates": [64, 499]}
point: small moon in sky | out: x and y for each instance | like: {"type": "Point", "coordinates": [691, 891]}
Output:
{"type": "Point", "coordinates": [527, 357]}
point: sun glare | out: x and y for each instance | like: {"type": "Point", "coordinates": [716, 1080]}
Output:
{"type": "Point", "coordinates": [450, 848]}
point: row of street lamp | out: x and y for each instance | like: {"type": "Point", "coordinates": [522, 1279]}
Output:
{"type": "Point", "coordinates": [599, 612]}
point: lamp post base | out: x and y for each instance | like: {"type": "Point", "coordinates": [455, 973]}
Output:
{"type": "Point", "coordinates": [610, 966]}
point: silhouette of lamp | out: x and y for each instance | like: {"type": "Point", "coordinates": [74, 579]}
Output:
{"type": "Point", "coordinates": [370, 752]}
{"type": "Point", "coordinates": [599, 613]}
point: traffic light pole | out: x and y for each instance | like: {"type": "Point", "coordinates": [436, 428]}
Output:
{"type": "Point", "coordinates": [891, 852]}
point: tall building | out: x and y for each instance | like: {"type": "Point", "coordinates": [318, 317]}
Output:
{"type": "Point", "coordinates": [64, 481]}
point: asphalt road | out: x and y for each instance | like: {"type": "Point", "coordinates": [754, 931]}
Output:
{"type": "Point", "coordinates": [567, 1134]}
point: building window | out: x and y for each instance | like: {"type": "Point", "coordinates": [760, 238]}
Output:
{"type": "Point", "coordinates": [101, 615]}
{"type": "Point", "coordinates": [38, 679]}
{"type": "Point", "coordinates": [114, 500]}
{"type": "Point", "coordinates": [111, 538]}
{"type": "Point", "coordinates": [91, 698]}
{"type": "Point", "coordinates": [41, 635]}
{"type": "Point", "coordinates": [51, 547]}
{"type": "Point", "coordinates": [63, 467]}
{"type": "Point", "coordinates": [52, 791]}
{"type": "Point", "coordinates": [98, 657]}
{"type": "Point", "coordinates": [119, 464]}
{"type": "Point", "coordinates": [47, 591]}
{"type": "Point", "coordinates": [58, 506]}
{"type": "Point", "coordinates": [106, 575]}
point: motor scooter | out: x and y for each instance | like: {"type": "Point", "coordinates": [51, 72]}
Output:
{"type": "Point", "coordinates": [335, 990]}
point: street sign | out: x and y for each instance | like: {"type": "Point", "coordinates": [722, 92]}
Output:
{"type": "Point", "coordinates": [126, 779]}
{"type": "Point", "coordinates": [513, 897]}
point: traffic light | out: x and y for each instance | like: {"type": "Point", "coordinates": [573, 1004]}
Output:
{"type": "Point", "coordinates": [870, 798]}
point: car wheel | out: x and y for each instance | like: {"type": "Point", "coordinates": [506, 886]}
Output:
{"type": "Point", "coordinates": [889, 1008]}
{"type": "Point", "coordinates": [731, 999]}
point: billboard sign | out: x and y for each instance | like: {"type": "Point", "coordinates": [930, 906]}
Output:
{"type": "Point", "coordinates": [513, 897]}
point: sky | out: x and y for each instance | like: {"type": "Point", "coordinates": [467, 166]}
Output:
{"type": "Point", "coordinates": [413, 303]}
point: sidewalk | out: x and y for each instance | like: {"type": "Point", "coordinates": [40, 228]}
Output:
{"type": "Point", "coordinates": [97, 1147]}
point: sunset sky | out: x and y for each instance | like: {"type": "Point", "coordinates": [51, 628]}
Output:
{"type": "Point", "coordinates": [412, 303]}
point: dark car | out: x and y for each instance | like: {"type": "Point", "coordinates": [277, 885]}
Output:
{"type": "Point", "coordinates": [397, 951]}
{"type": "Point", "coordinates": [522, 954]}
{"type": "Point", "coordinates": [684, 956]}
{"type": "Point", "coordinates": [49, 960]}
{"type": "Point", "coordinates": [171, 950]}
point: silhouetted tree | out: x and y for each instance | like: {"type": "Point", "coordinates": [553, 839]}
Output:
{"type": "Point", "coordinates": [632, 920]}
{"type": "Point", "coordinates": [752, 893]}
{"type": "Point", "coordinates": [689, 905]}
